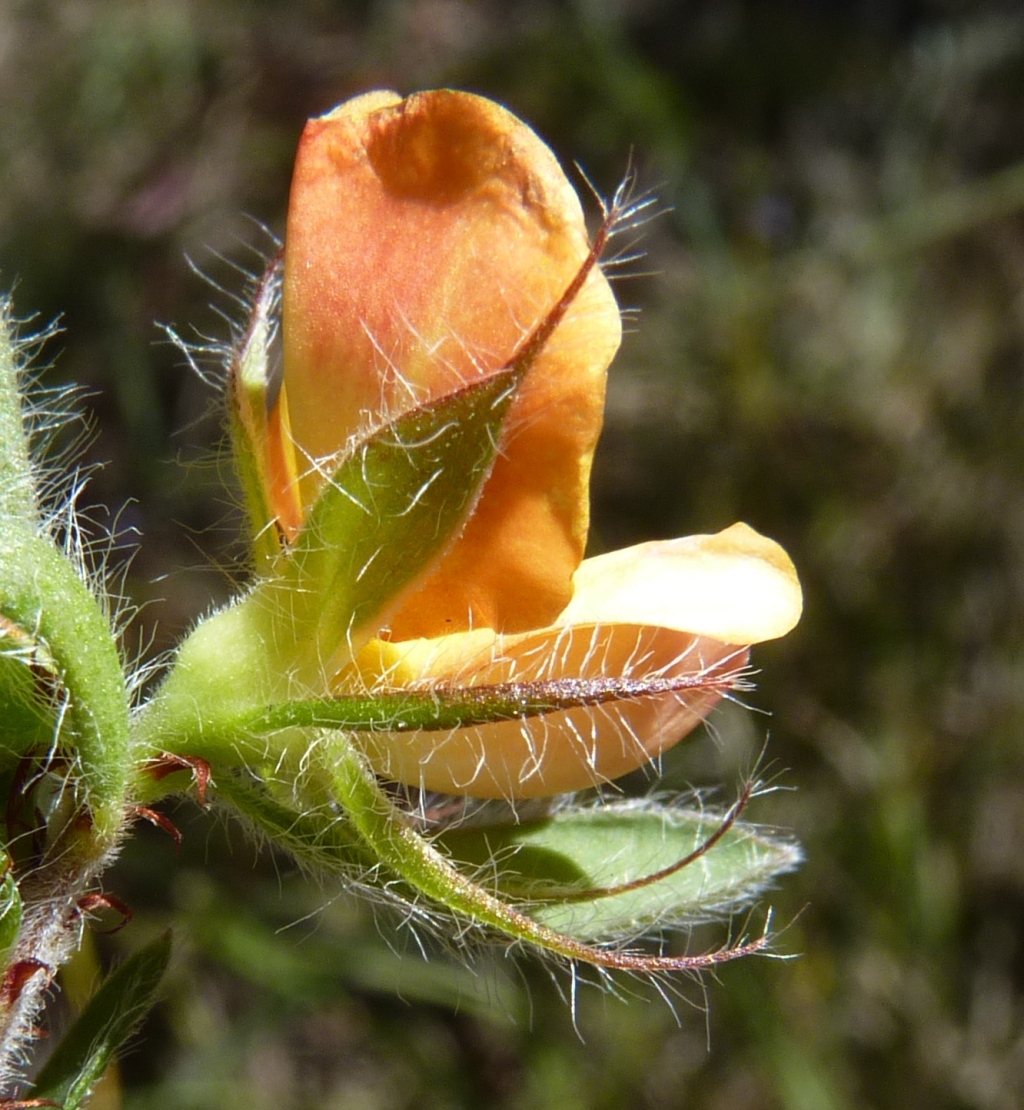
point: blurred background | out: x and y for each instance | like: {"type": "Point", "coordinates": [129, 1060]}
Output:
{"type": "Point", "coordinates": [830, 346]}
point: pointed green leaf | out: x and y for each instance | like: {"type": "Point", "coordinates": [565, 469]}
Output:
{"type": "Point", "coordinates": [555, 863]}
{"type": "Point", "coordinates": [449, 707]}
{"type": "Point", "coordinates": [390, 508]}
{"type": "Point", "coordinates": [109, 1019]}
{"type": "Point", "coordinates": [234, 730]}
{"type": "Point", "coordinates": [429, 871]}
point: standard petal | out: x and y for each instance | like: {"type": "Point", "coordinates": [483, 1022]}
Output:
{"type": "Point", "coordinates": [426, 238]}
{"type": "Point", "coordinates": [562, 751]}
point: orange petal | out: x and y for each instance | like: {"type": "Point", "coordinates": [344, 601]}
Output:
{"type": "Point", "coordinates": [426, 238]}
{"type": "Point", "coordinates": [281, 469]}
{"type": "Point", "coordinates": [559, 752]}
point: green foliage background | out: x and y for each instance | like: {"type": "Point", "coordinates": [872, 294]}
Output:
{"type": "Point", "coordinates": [831, 347]}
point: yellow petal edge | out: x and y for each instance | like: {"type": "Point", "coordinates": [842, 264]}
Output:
{"type": "Point", "coordinates": [736, 586]}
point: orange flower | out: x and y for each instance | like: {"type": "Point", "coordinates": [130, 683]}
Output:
{"type": "Point", "coordinates": [426, 239]}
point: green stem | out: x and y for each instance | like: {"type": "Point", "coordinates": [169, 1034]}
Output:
{"type": "Point", "coordinates": [62, 692]}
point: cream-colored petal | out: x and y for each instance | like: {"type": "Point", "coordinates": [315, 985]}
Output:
{"type": "Point", "coordinates": [736, 586]}
{"type": "Point", "coordinates": [669, 609]}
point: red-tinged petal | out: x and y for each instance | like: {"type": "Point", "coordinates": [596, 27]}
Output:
{"type": "Point", "coordinates": [426, 238]}
{"type": "Point", "coordinates": [562, 751]}
{"type": "Point", "coordinates": [281, 469]}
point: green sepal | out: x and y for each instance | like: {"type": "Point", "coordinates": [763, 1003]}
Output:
{"type": "Point", "coordinates": [471, 894]}
{"type": "Point", "coordinates": [448, 707]}
{"type": "Point", "coordinates": [236, 732]}
{"type": "Point", "coordinates": [566, 868]}
{"type": "Point", "coordinates": [391, 507]}
{"type": "Point", "coordinates": [111, 1016]}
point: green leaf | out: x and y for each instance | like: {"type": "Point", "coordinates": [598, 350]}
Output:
{"type": "Point", "coordinates": [429, 870]}
{"type": "Point", "coordinates": [237, 729]}
{"type": "Point", "coordinates": [444, 708]}
{"type": "Point", "coordinates": [111, 1016]}
{"type": "Point", "coordinates": [555, 863]}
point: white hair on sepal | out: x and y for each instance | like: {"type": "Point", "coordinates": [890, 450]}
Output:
{"type": "Point", "coordinates": [388, 409]}
{"type": "Point", "coordinates": [629, 209]}
{"type": "Point", "coordinates": [211, 357]}
{"type": "Point", "coordinates": [415, 916]}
